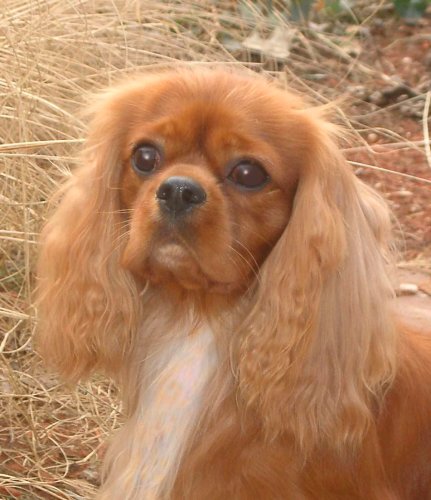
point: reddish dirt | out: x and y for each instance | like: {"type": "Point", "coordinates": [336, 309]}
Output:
{"type": "Point", "coordinates": [404, 53]}
{"type": "Point", "coordinates": [409, 199]}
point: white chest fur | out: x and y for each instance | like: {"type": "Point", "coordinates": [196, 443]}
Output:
{"type": "Point", "coordinates": [153, 441]}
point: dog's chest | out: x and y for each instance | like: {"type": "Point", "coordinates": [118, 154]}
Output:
{"type": "Point", "coordinates": [171, 405]}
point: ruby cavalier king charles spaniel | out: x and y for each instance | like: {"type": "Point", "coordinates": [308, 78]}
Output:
{"type": "Point", "coordinates": [217, 257]}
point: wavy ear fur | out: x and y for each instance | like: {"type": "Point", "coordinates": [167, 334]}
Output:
{"type": "Point", "coordinates": [88, 306]}
{"type": "Point", "coordinates": [319, 346]}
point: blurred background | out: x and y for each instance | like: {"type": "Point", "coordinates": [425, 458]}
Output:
{"type": "Point", "coordinates": [373, 57]}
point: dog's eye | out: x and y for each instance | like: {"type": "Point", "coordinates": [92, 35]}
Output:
{"type": "Point", "coordinates": [145, 158]}
{"type": "Point", "coordinates": [249, 174]}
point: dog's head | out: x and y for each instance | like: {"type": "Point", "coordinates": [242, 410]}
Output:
{"type": "Point", "coordinates": [207, 168]}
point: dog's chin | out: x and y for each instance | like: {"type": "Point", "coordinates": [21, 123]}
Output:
{"type": "Point", "coordinates": [172, 263]}
{"type": "Point", "coordinates": [172, 266]}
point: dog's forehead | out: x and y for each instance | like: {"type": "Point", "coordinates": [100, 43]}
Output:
{"type": "Point", "coordinates": [195, 118]}
{"type": "Point", "coordinates": [210, 100]}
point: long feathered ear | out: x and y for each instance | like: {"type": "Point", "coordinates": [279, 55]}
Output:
{"type": "Point", "coordinates": [319, 347]}
{"type": "Point", "coordinates": [88, 306]}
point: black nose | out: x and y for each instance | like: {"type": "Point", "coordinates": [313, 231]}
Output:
{"type": "Point", "coordinates": [178, 195]}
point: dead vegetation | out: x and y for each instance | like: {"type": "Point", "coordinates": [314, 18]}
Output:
{"type": "Point", "coordinates": [52, 54]}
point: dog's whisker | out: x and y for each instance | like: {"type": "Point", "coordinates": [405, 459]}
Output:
{"type": "Point", "coordinates": [249, 252]}
{"type": "Point", "coordinates": [254, 271]}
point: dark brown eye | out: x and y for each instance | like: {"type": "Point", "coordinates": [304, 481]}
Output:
{"type": "Point", "coordinates": [145, 158]}
{"type": "Point", "coordinates": [248, 174]}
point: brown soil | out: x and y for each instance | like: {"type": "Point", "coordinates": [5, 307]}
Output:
{"type": "Point", "coordinates": [404, 53]}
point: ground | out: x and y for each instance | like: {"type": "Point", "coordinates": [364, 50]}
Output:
{"type": "Point", "coordinates": [405, 53]}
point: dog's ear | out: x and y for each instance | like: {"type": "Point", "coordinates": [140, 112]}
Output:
{"type": "Point", "coordinates": [319, 343]}
{"type": "Point", "coordinates": [87, 305]}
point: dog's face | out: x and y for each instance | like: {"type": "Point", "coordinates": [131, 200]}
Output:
{"type": "Point", "coordinates": [209, 169]}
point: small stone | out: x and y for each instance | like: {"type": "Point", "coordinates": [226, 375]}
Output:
{"type": "Point", "coordinates": [359, 91]}
{"type": "Point", "coordinates": [403, 193]}
{"type": "Point", "coordinates": [372, 137]}
{"type": "Point", "coordinates": [407, 289]}
{"type": "Point", "coordinates": [376, 98]}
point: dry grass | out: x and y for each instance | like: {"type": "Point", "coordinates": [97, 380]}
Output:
{"type": "Point", "coordinates": [52, 53]}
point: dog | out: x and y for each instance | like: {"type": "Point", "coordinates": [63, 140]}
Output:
{"type": "Point", "coordinates": [216, 255]}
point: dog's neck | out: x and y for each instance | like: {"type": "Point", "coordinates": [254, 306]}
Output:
{"type": "Point", "coordinates": [169, 386]}
{"type": "Point", "coordinates": [170, 407]}
{"type": "Point", "coordinates": [170, 399]}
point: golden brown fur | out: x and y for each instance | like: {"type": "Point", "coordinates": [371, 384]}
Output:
{"type": "Point", "coordinates": [317, 393]}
